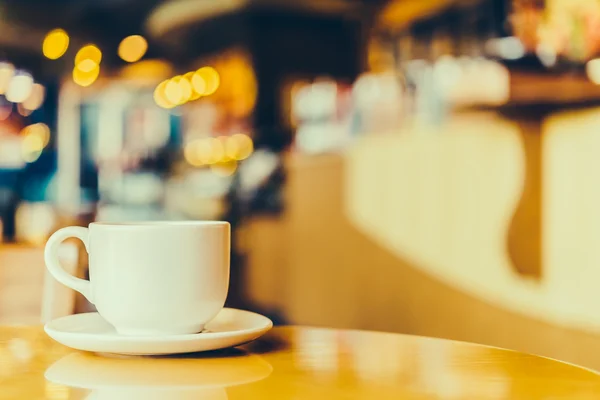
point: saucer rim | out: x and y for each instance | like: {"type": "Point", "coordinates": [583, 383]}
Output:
{"type": "Point", "coordinates": [266, 325]}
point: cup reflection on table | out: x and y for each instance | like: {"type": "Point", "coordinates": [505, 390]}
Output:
{"type": "Point", "coordinates": [173, 378]}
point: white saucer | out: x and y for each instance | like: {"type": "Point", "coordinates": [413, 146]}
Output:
{"type": "Point", "coordinates": [90, 332]}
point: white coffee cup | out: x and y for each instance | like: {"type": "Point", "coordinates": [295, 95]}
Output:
{"type": "Point", "coordinates": [151, 278]}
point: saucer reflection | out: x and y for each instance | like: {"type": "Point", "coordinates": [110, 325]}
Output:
{"type": "Point", "coordinates": [176, 378]}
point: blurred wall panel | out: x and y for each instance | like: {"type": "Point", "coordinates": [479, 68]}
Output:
{"type": "Point", "coordinates": [408, 233]}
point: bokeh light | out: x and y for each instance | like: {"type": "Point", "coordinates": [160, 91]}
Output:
{"type": "Point", "coordinates": [36, 98]}
{"type": "Point", "coordinates": [89, 52]}
{"type": "Point", "coordinates": [186, 90]}
{"type": "Point", "coordinates": [160, 96]}
{"type": "Point", "coordinates": [173, 91]}
{"type": "Point", "coordinates": [224, 169]}
{"type": "Point", "coordinates": [223, 150]}
{"type": "Point", "coordinates": [31, 148]}
{"type": "Point", "coordinates": [85, 78]}
{"type": "Point", "coordinates": [132, 48]}
{"type": "Point", "coordinates": [196, 94]}
{"type": "Point", "coordinates": [211, 80]}
{"type": "Point", "coordinates": [39, 130]}
{"type": "Point", "coordinates": [7, 71]}
{"type": "Point", "coordinates": [23, 111]}
{"type": "Point", "coordinates": [593, 70]}
{"type": "Point", "coordinates": [239, 147]}
{"type": "Point", "coordinates": [198, 152]}
{"type": "Point", "coordinates": [55, 44]}
{"type": "Point", "coordinates": [19, 88]}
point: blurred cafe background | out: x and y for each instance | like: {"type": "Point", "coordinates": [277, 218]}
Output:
{"type": "Point", "coordinates": [429, 167]}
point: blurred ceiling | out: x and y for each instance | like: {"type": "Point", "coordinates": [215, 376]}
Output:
{"type": "Point", "coordinates": [23, 23]}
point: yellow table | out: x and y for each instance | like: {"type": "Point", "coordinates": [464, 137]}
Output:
{"type": "Point", "coordinates": [290, 363]}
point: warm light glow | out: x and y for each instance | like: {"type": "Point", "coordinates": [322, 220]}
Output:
{"type": "Point", "coordinates": [226, 168]}
{"type": "Point", "coordinates": [199, 84]}
{"type": "Point", "coordinates": [23, 111]}
{"type": "Point", "coordinates": [86, 65]}
{"type": "Point", "coordinates": [151, 70]}
{"type": "Point", "coordinates": [133, 48]}
{"type": "Point", "coordinates": [211, 79]}
{"type": "Point", "coordinates": [186, 90]}
{"type": "Point", "coordinates": [19, 88]}
{"type": "Point", "coordinates": [31, 148]}
{"type": "Point", "coordinates": [593, 70]}
{"type": "Point", "coordinates": [39, 130]}
{"type": "Point", "coordinates": [195, 93]}
{"type": "Point", "coordinates": [217, 152]}
{"type": "Point", "coordinates": [36, 98]}
{"type": "Point", "coordinates": [55, 44]}
{"type": "Point", "coordinates": [160, 96]}
{"type": "Point", "coordinates": [239, 147]}
{"type": "Point", "coordinates": [198, 152]}
{"type": "Point", "coordinates": [89, 52]}
{"type": "Point", "coordinates": [173, 91]}
{"type": "Point", "coordinates": [7, 71]}
{"type": "Point", "coordinates": [5, 111]}
{"type": "Point", "coordinates": [85, 78]}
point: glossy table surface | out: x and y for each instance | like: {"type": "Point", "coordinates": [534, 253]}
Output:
{"type": "Point", "coordinates": [290, 363]}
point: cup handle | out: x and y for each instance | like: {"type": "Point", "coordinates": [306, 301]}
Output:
{"type": "Point", "coordinates": [58, 272]}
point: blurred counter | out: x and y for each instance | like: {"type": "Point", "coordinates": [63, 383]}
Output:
{"type": "Point", "coordinates": [430, 231]}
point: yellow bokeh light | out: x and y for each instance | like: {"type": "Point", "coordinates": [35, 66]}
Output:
{"type": "Point", "coordinates": [31, 148]}
{"type": "Point", "coordinates": [186, 90]}
{"type": "Point", "coordinates": [132, 48]}
{"type": "Point", "coordinates": [86, 65]}
{"type": "Point", "coordinates": [88, 52]}
{"type": "Point", "coordinates": [198, 84]}
{"type": "Point", "coordinates": [85, 78]}
{"type": "Point", "coordinates": [55, 44]}
{"type": "Point", "coordinates": [36, 98]}
{"type": "Point", "coordinates": [7, 71]}
{"type": "Point", "coordinates": [226, 168]}
{"type": "Point", "coordinates": [211, 80]}
{"type": "Point", "coordinates": [239, 147]}
{"type": "Point", "coordinates": [195, 93]}
{"type": "Point", "coordinates": [173, 91]}
{"type": "Point", "coordinates": [217, 152]}
{"type": "Point", "coordinates": [160, 96]}
{"type": "Point", "coordinates": [198, 152]}
{"type": "Point", "coordinates": [39, 130]}
{"type": "Point", "coordinates": [19, 88]}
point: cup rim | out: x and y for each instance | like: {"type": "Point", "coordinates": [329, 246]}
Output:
{"type": "Point", "coordinates": [159, 224]}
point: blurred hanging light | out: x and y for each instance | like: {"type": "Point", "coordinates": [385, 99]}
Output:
{"type": "Point", "coordinates": [89, 52]}
{"type": "Point", "coordinates": [7, 71]}
{"type": "Point", "coordinates": [160, 96]}
{"type": "Point", "coordinates": [211, 79]}
{"type": "Point", "coordinates": [55, 44]}
{"type": "Point", "coordinates": [133, 48]}
{"type": "Point", "coordinates": [19, 88]}
{"type": "Point", "coordinates": [36, 98]}
{"type": "Point", "coordinates": [85, 78]}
